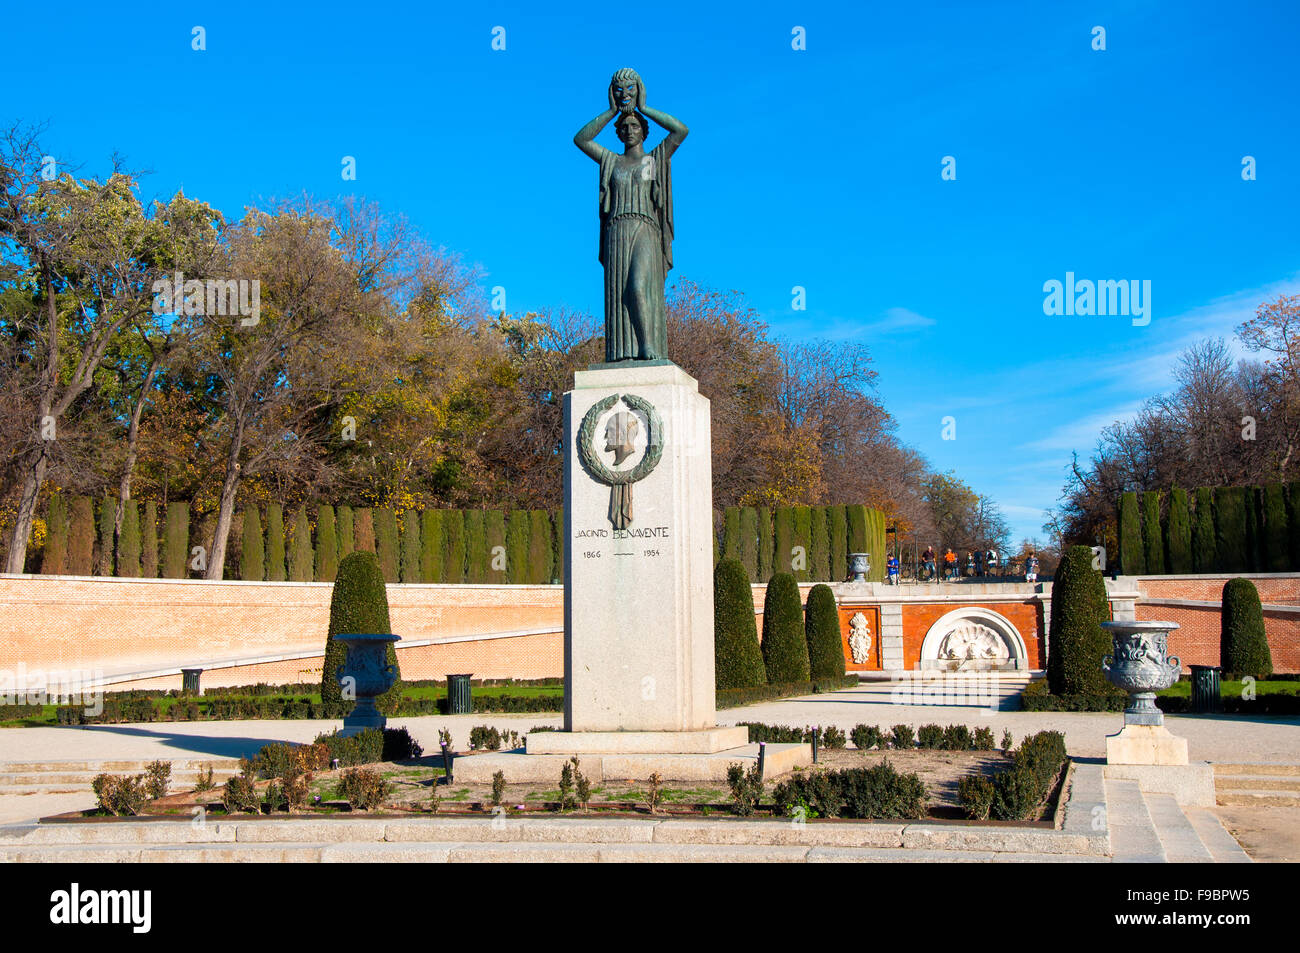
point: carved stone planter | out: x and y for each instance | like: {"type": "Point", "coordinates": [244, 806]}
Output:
{"type": "Point", "coordinates": [1140, 664]}
{"type": "Point", "coordinates": [859, 566]}
{"type": "Point", "coordinates": [367, 674]}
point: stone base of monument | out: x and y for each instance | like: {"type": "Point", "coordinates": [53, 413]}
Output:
{"type": "Point", "coordinates": [631, 763]}
{"type": "Point", "coordinates": [1145, 744]}
{"type": "Point", "coordinates": [700, 741]}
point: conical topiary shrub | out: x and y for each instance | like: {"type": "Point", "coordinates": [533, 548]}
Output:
{"type": "Point", "coordinates": [1078, 643]}
{"type": "Point", "coordinates": [1243, 643]}
{"type": "Point", "coordinates": [785, 648]}
{"type": "Point", "coordinates": [822, 631]}
{"type": "Point", "coordinates": [737, 659]}
{"type": "Point", "coordinates": [358, 604]}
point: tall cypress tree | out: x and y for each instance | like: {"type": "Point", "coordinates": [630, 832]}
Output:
{"type": "Point", "coordinates": [453, 537]}
{"type": "Point", "coordinates": [412, 568]}
{"type": "Point", "coordinates": [494, 526]}
{"type": "Point", "coordinates": [81, 537]}
{"type": "Point", "coordinates": [749, 541]}
{"type": "Point", "coordinates": [128, 554]}
{"type": "Point", "coordinates": [1276, 540]}
{"type": "Point", "coordinates": [301, 556]}
{"type": "Point", "coordinates": [737, 658]}
{"type": "Point", "coordinates": [275, 554]}
{"type": "Point", "coordinates": [1254, 528]}
{"type": "Point", "coordinates": [820, 562]}
{"type": "Point", "coordinates": [1132, 555]}
{"type": "Point", "coordinates": [149, 541]}
{"type": "Point", "coordinates": [1204, 549]}
{"type": "Point", "coordinates": [1178, 533]}
{"type": "Point", "coordinates": [1153, 549]}
{"type": "Point", "coordinates": [560, 540]}
{"type": "Point", "coordinates": [431, 546]}
{"type": "Point", "coordinates": [541, 548]}
{"type": "Point", "coordinates": [803, 540]}
{"type": "Point", "coordinates": [176, 544]}
{"type": "Point", "coordinates": [838, 530]}
{"type": "Point", "coordinates": [252, 558]}
{"type": "Point", "coordinates": [785, 647]}
{"type": "Point", "coordinates": [822, 632]}
{"type": "Point", "coordinates": [856, 516]}
{"type": "Point", "coordinates": [766, 544]}
{"type": "Point", "coordinates": [1230, 529]}
{"type": "Point", "coordinates": [731, 532]}
{"type": "Point", "coordinates": [783, 555]}
{"type": "Point", "coordinates": [386, 544]}
{"type": "Point", "coordinates": [107, 522]}
{"type": "Point", "coordinates": [1293, 523]}
{"type": "Point", "coordinates": [517, 547]}
{"type": "Point", "coordinates": [476, 551]}
{"type": "Point", "coordinates": [363, 530]}
{"type": "Point", "coordinates": [54, 561]}
{"type": "Point", "coordinates": [347, 531]}
{"type": "Point", "coordinates": [327, 546]}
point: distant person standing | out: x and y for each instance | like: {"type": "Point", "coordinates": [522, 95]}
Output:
{"type": "Point", "coordinates": [891, 567]}
{"type": "Point", "coordinates": [991, 562]}
{"type": "Point", "coordinates": [1031, 568]}
{"type": "Point", "coordinates": [928, 560]}
{"type": "Point", "coordinates": [979, 562]}
{"type": "Point", "coordinates": [949, 564]}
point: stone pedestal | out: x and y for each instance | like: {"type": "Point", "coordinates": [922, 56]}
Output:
{"type": "Point", "coordinates": [1145, 744]}
{"type": "Point", "coordinates": [638, 600]}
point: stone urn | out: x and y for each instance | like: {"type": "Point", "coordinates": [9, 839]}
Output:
{"type": "Point", "coordinates": [1140, 664]}
{"type": "Point", "coordinates": [367, 674]}
{"type": "Point", "coordinates": [859, 566]}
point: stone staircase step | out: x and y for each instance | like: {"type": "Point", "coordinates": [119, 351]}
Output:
{"type": "Point", "coordinates": [1133, 837]}
{"type": "Point", "coordinates": [1179, 838]}
{"type": "Point", "coordinates": [1256, 782]}
{"type": "Point", "coordinates": [1262, 768]}
{"type": "Point", "coordinates": [1223, 847]}
{"type": "Point", "coordinates": [1257, 799]}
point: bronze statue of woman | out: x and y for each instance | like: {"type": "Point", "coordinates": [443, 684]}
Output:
{"type": "Point", "coordinates": [636, 220]}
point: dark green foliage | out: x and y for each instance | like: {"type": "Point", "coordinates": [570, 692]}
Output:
{"type": "Point", "coordinates": [1132, 555]}
{"type": "Point", "coordinates": [738, 697]}
{"type": "Point", "coordinates": [157, 776]}
{"type": "Point", "coordinates": [1178, 533]}
{"type": "Point", "coordinates": [453, 546]}
{"type": "Point", "coordinates": [1204, 552]}
{"type": "Point", "coordinates": [240, 795]}
{"type": "Point", "coordinates": [54, 561]}
{"type": "Point", "coordinates": [301, 555]}
{"type": "Point", "coordinates": [1153, 544]}
{"type": "Point", "coordinates": [476, 555]}
{"type": "Point", "coordinates": [1077, 641]}
{"type": "Point", "coordinates": [1293, 523]}
{"type": "Point", "coordinates": [866, 737]}
{"type": "Point", "coordinates": [982, 739]}
{"type": "Point", "coordinates": [1017, 793]}
{"type": "Point", "coordinates": [494, 529]}
{"type": "Point", "coordinates": [346, 532]}
{"type": "Point", "coordinates": [1230, 529]}
{"type": "Point", "coordinates": [746, 788]}
{"type": "Point", "coordinates": [957, 738]}
{"type": "Point", "coordinates": [822, 630]}
{"type": "Point", "coordinates": [902, 737]}
{"type": "Point", "coordinates": [765, 544]}
{"type": "Point", "coordinates": [274, 542]}
{"type": "Point", "coordinates": [837, 528]}
{"type": "Point", "coordinates": [737, 659]}
{"type": "Point", "coordinates": [541, 548]}
{"type": "Point", "coordinates": [880, 791]}
{"type": "Point", "coordinates": [731, 532]}
{"type": "Point", "coordinates": [856, 517]}
{"type": "Point", "coordinates": [364, 788]}
{"type": "Point", "coordinates": [432, 546]}
{"type": "Point", "coordinates": [363, 530]}
{"type": "Point", "coordinates": [252, 557]}
{"type": "Point", "coordinates": [128, 545]}
{"type": "Point", "coordinates": [785, 649]}
{"type": "Point", "coordinates": [976, 796]}
{"type": "Point", "coordinates": [1276, 537]}
{"type": "Point", "coordinates": [810, 794]}
{"type": "Point", "coordinates": [411, 562]}
{"type": "Point", "coordinates": [833, 738]}
{"type": "Point", "coordinates": [783, 554]}
{"type": "Point", "coordinates": [81, 537]}
{"type": "Point", "coordinates": [386, 543]}
{"type": "Point", "coordinates": [365, 747]}
{"type": "Point", "coordinates": [358, 604]}
{"type": "Point", "coordinates": [749, 542]}
{"type": "Point", "coordinates": [557, 571]}
{"type": "Point", "coordinates": [929, 737]}
{"type": "Point", "coordinates": [1254, 528]}
{"type": "Point", "coordinates": [176, 545]}
{"type": "Point", "coordinates": [327, 545]}
{"type": "Point", "coordinates": [820, 561]}
{"type": "Point", "coordinates": [107, 522]}
{"type": "Point", "coordinates": [149, 541]}
{"type": "Point", "coordinates": [801, 563]}
{"type": "Point", "coordinates": [120, 794]}
{"type": "Point", "coordinates": [517, 547]}
{"type": "Point", "coordinates": [1243, 645]}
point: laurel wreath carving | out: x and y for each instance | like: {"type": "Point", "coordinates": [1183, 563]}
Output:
{"type": "Point", "coordinates": [654, 441]}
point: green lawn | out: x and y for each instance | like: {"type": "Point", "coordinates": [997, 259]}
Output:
{"type": "Point", "coordinates": [1183, 689]}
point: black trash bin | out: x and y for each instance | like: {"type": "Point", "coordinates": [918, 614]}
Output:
{"type": "Point", "coordinates": [1206, 695]}
{"type": "Point", "coordinates": [459, 699]}
{"type": "Point", "coordinates": [190, 681]}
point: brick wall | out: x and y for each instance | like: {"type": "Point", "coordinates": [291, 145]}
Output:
{"type": "Point", "coordinates": [1279, 589]}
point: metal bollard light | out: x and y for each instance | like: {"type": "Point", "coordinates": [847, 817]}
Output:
{"type": "Point", "coordinates": [817, 737]}
{"type": "Point", "coordinates": [448, 757]}
{"type": "Point", "coordinates": [762, 759]}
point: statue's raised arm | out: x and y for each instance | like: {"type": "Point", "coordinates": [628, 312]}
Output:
{"type": "Point", "coordinates": [636, 220]}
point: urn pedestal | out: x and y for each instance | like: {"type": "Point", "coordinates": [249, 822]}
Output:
{"type": "Point", "coordinates": [366, 674]}
{"type": "Point", "coordinates": [1140, 664]}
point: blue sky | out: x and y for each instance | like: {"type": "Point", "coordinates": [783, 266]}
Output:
{"type": "Point", "coordinates": [818, 168]}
